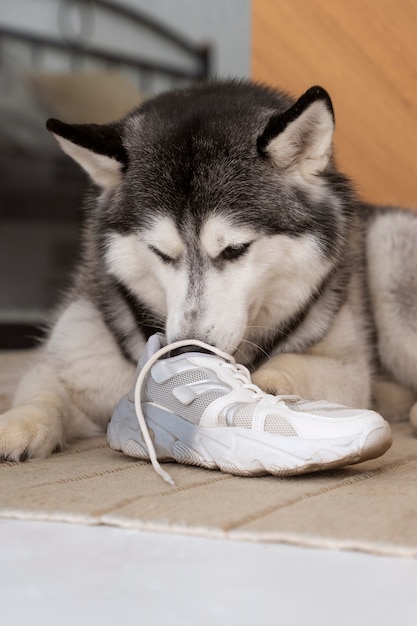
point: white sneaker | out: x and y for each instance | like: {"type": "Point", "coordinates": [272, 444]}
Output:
{"type": "Point", "coordinates": [202, 409]}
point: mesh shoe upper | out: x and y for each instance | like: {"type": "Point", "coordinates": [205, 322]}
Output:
{"type": "Point", "coordinates": [186, 388]}
{"type": "Point", "coordinates": [209, 391]}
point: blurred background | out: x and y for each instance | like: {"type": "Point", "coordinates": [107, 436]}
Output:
{"type": "Point", "coordinates": [84, 61]}
{"type": "Point", "coordinates": [93, 60]}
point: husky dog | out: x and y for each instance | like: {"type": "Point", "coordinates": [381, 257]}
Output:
{"type": "Point", "coordinates": [217, 212]}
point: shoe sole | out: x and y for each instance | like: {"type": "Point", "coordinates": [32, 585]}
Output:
{"type": "Point", "coordinates": [238, 451]}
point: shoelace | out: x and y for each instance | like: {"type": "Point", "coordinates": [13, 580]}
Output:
{"type": "Point", "coordinates": [240, 372]}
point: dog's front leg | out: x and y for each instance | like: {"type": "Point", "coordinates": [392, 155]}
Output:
{"type": "Point", "coordinates": [316, 378]}
{"type": "Point", "coordinates": [335, 369]}
{"type": "Point", "coordinates": [71, 391]}
{"type": "Point", "coordinates": [41, 417]}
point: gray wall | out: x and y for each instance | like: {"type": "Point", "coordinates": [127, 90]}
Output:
{"type": "Point", "coordinates": [224, 23]}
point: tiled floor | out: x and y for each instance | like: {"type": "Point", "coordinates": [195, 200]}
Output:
{"type": "Point", "coordinates": [76, 575]}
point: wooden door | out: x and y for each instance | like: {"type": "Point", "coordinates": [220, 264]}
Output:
{"type": "Point", "coordinates": [364, 52]}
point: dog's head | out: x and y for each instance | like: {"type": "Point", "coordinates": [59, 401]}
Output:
{"type": "Point", "coordinates": [214, 206]}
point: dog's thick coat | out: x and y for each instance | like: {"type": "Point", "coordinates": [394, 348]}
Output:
{"type": "Point", "coordinates": [217, 212]}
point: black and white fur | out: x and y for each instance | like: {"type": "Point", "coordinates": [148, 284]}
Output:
{"type": "Point", "coordinates": [217, 212]}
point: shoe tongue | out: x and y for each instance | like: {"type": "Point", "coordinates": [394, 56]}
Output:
{"type": "Point", "coordinates": [154, 343]}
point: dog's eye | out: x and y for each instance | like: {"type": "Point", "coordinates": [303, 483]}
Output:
{"type": "Point", "coordinates": [234, 252]}
{"type": "Point", "coordinates": [164, 257]}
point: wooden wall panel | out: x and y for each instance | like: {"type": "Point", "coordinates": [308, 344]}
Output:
{"type": "Point", "coordinates": [364, 52]}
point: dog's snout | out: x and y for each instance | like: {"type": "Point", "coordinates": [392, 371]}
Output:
{"type": "Point", "coordinates": [190, 315]}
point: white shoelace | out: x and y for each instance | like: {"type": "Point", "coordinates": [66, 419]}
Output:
{"type": "Point", "coordinates": [240, 373]}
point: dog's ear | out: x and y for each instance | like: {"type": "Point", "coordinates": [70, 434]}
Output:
{"type": "Point", "coordinates": [97, 148]}
{"type": "Point", "coordinates": [301, 138]}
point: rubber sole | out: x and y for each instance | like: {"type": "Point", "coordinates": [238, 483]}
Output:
{"type": "Point", "coordinates": [238, 451]}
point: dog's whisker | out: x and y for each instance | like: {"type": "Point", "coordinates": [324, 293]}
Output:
{"type": "Point", "coordinates": [156, 321]}
{"type": "Point", "coordinates": [269, 328]}
{"type": "Point", "coordinates": [258, 347]}
{"type": "Point", "coordinates": [248, 361]}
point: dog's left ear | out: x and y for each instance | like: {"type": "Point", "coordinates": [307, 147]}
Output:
{"type": "Point", "coordinates": [301, 138]}
{"type": "Point", "coordinates": [97, 148]}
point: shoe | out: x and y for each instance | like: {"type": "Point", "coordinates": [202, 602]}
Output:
{"type": "Point", "coordinates": [200, 408]}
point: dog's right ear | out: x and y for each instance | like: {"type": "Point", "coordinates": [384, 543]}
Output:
{"type": "Point", "coordinates": [301, 138]}
{"type": "Point", "coordinates": [97, 148]}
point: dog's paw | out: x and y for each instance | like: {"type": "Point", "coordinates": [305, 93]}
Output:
{"type": "Point", "coordinates": [28, 432]}
{"type": "Point", "coordinates": [273, 381]}
{"type": "Point", "coordinates": [393, 401]}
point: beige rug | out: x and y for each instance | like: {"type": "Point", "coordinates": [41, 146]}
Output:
{"type": "Point", "coordinates": [370, 507]}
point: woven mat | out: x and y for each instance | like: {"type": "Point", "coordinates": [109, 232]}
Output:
{"type": "Point", "coordinates": [370, 507]}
